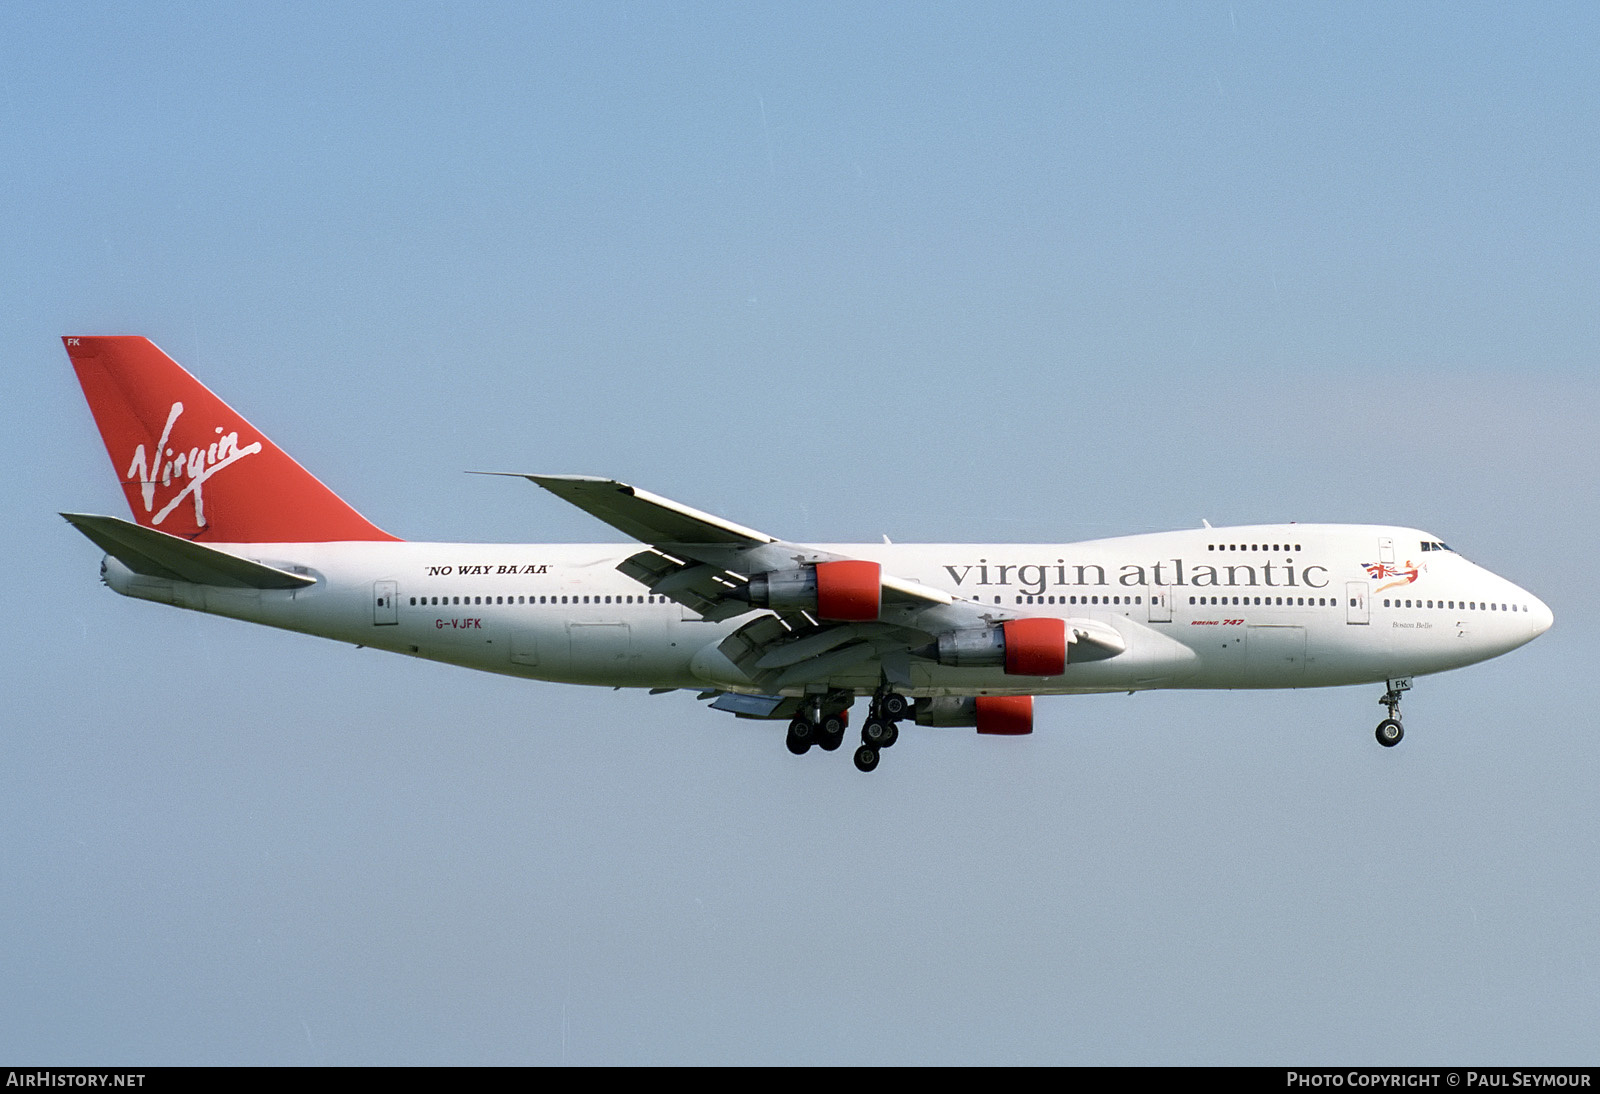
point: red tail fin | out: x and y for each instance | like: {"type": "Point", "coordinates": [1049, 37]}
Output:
{"type": "Point", "coordinates": [191, 465]}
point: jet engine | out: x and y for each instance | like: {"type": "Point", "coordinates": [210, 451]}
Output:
{"type": "Point", "coordinates": [846, 590]}
{"type": "Point", "coordinates": [1026, 647]}
{"type": "Point", "coordinates": [1001, 715]}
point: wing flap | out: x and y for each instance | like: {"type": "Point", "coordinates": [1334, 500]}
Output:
{"type": "Point", "coordinates": [697, 586]}
{"type": "Point", "coordinates": [825, 665]}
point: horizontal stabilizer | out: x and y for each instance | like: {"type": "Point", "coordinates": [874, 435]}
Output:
{"type": "Point", "coordinates": [157, 554]}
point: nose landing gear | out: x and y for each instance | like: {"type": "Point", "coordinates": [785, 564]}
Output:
{"type": "Point", "coordinates": [1390, 731]}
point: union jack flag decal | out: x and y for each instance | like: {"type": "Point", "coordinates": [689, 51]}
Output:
{"type": "Point", "coordinates": [1380, 570]}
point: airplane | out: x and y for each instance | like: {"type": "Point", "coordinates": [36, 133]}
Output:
{"type": "Point", "coordinates": [942, 635]}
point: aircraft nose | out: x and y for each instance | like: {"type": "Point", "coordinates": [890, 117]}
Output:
{"type": "Point", "coordinates": [1542, 616]}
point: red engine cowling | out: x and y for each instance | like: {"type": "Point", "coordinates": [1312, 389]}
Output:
{"type": "Point", "coordinates": [849, 590]}
{"type": "Point", "coordinates": [1036, 647]}
{"type": "Point", "coordinates": [1005, 715]}
{"type": "Point", "coordinates": [844, 591]}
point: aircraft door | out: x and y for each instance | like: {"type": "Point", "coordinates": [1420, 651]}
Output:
{"type": "Point", "coordinates": [524, 644]}
{"type": "Point", "coordinates": [385, 608]}
{"type": "Point", "coordinates": [1160, 603]}
{"type": "Point", "coordinates": [1277, 656]}
{"type": "Point", "coordinates": [1355, 602]}
{"type": "Point", "coordinates": [599, 650]}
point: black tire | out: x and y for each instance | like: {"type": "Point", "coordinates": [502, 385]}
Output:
{"type": "Point", "coordinates": [895, 706]}
{"type": "Point", "coordinates": [874, 732]}
{"type": "Point", "coordinates": [801, 736]}
{"type": "Point", "coordinates": [1390, 732]}
{"type": "Point", "coordinates": [833, 725]}
{"type": "Point", "coordinates": [866, 758]}
{"type": "Point", "coordinates": [890, 737]}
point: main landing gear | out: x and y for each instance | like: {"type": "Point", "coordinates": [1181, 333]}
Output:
{"type": "Point", "coordinates": [1390, 731]}
{"type": "Point", "coordinates": [822, 722]}
{"type": "Point", "coordinates": [813, 727]}
{"type": "Point", "coordinates": [879, 731]}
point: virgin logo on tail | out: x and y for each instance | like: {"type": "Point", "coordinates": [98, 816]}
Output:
{"type": "Point", "coordinates": [197, 465]}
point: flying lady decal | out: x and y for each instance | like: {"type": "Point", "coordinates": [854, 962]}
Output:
{"type": "Point", "coordinates": [1406, 574]}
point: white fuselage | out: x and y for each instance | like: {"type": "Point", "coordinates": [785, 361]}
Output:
{"type": "Point", "coordinates": [1271, 606]}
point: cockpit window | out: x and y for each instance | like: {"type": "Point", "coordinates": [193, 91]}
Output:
{"type": "Point", "coordinates": [1434, 545]}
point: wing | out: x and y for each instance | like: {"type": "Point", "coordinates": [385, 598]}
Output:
{"type": "Point", "coordinates": [646, 517]}
{"type": "Point", "coordinates": [825, 614]}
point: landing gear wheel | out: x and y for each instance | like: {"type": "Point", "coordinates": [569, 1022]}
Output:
{"type": "Point", "coordinates": [1389, 732]}
{"type": "Point", "coordinates": [801, 735]}
{"type": "Point", "coordinates": [831, 734]}
{"type": "Point", "coordinates": [895, 706]}
{"type": "Point", "coordinates": [866, 758]}
{"type": "Point", "coordinates": [878, 734]}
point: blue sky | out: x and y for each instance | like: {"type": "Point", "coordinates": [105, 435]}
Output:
{"type": "Point", "coordinates": [939, 272]}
